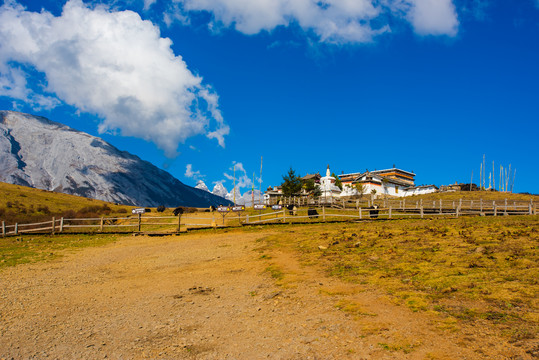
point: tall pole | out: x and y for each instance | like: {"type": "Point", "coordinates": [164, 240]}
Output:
{"type": "Point", "coordinates": [260, 180]}
{"type": "Point", "coordinates": [508, 179]}
{"type": "Point", "coordinates": [513, 182]}
{"type": "Point", "coordinates": [480, 175]}
{"type": "Point", "coordinates": [253, 189]}
{"type": "Point", "coordinates": [484, 171]}
{"type": "Point", "coordinates": [501, 178]}
{"type": "Point", "coordinates": [234, 184]}
{"type": "Point", "coordinates": [493, 177]}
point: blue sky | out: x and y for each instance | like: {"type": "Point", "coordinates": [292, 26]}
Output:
{"type": "Point", "coordinates": [196, 86]}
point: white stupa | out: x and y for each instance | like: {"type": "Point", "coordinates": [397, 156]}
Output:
{"type": "Point", "coordinates": [327, 186]}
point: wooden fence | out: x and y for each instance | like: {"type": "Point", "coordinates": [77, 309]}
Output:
{"type": "Point", "coordinates": [119, 224]}
{"type": "Point", "coordinates": [339, 214]}
{"type": "Point", "coordinates": [337, 211]}
{"type": "Point", "coordinates": [472, 206]}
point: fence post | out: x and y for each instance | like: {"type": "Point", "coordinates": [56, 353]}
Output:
{"type": "Point", "coordinates": [61, 224]}
{"type": "Point", "coordinates": [284, 216]}
{"type": "Point", "coordinates": [4, 228]}
{"type": "Point", "coordinates": [101, 224]}
{"type": "Point", "coordinates": [139, 223]}
{"type": "Point", "coordinates": [16, 228]}
{"type": "Point", "coordinates": [441, 206]}
{"type": "Point", "coordinates": [495, 210]}
{"type": "Point", "coordinates": [179, 222]}
{"type": "Point", "coordinates": [404, 203]}
{"type": "Point", "coordinates": [324, 213]}
{"type": "Point", "coordinates": [247, 218]}
{"type": "Point", "coordinates": [421, 211]}
{"type": "Point", "coordinates": [457, 211]}
{"type": "Point", "coordinates": [460, 203]}
{"type": "Point", "coordinates": [481, 205]}
{"type": "Point", "coordinates": [53, 225]}
{"type": "Point", "coordinates": [530, 208]}
{"type": "Point", "coordinates": [390, 212]}
{"type": "Point", "coordinates": [360, 217]}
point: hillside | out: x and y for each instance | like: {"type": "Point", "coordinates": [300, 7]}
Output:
{"type": "Point", "coordinates": [25, 204]}
{"type": "Point", "coordinates": [43, 154]}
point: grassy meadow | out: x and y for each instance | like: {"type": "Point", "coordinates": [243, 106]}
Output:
{"type": "Point", "coordinates": [465, 270]}
{"type": "Point", "coordinates": [26, 205]}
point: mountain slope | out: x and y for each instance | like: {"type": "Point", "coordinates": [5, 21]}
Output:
{"type": "Point", "coordinates": [40, 153]}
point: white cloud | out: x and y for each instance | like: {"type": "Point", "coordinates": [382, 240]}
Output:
{"type": "Point", "coordinates": [113, 64]}
{"type": "Point", "coordinates": [334, 21]}
{"type": "Point", "coordinates": [434, 17]}
{"type": "Point", "coordinates": [189, 173]}
{"type": "Point", "coordinates": [242, 179]}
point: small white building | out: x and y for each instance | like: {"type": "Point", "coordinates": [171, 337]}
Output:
{"type": "Point", "coordinates": [420, 190]}
{"type": "Point", "coordinates": [328, 188]}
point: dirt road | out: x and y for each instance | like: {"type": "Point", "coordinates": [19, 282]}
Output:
{"type": "Point", "coordinates": [209, 296]}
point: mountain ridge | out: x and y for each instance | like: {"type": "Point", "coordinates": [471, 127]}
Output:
{"type": "Point", "coordinates": [44, 154]}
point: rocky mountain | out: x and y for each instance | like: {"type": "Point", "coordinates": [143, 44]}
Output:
{"type": "Point", "coordinates": [202, 186]}
{"type": "Point", "coordinates": [220, 190]}
{"type": "Point", "coordinates": [43, 154]}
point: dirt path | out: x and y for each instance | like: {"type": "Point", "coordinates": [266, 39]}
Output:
{"type": "Point", "coordinates": [205, 296]}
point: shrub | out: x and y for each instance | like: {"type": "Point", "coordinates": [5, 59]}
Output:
{"type": "Point", "coordinates": [43, 209]}
{"type": "Point", "coordinates": [161, 208]}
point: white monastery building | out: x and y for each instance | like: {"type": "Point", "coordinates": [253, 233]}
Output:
{"type": "Point", "coordinates": [392, 182]}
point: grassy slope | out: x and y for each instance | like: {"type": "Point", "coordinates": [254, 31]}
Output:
{"type": "Point", "coordinates": [475, 195]}
{"type": "Point", "coordinates": [24, 204]}
{"type": "Point", "coordinates": [466, 270]}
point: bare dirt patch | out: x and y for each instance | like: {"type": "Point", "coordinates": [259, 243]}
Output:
{"type": "Point", "coordinates": [214, 296]}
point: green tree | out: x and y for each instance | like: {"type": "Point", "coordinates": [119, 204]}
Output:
{"type": "Point", "coordinates": [309, 185]}
{"type": "Point", "coordinates": [338, 182]}
{"type": "Point", "coordinates": [360, 189]}
{"type": "Point", "coordinates": [292, 183]}
{"type": "Point", "coordinates": [317, 192]}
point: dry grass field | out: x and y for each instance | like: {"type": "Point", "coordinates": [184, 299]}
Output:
{"type": "Point", "coordinates": [466, 271]}
{"type": "Point", "coordinates": [26, 205]}
{"type": "Point", "coordinates": [447, 288]}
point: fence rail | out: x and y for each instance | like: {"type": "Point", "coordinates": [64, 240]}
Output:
{"type": "Point", "coordinates": [346, 211]}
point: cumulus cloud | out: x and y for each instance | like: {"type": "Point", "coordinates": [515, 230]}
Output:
{"type": "Point", "coordinates": [110, 63]}
{"type": "Point", "coordinates": [242, 179]}
{"type": "Point", "coordinates": [434, 17]}
{"type": "Point", "coordinates": [333, 21]}
{"type": "Point", "coordinates": [189, 173]}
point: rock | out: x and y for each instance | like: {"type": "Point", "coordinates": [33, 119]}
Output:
{"type": "Point", "coordinates": [480, 250]}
